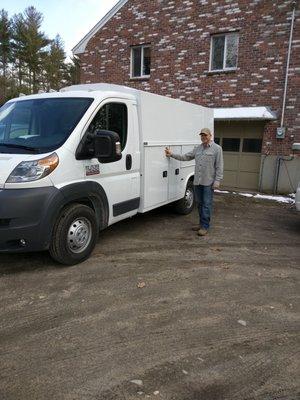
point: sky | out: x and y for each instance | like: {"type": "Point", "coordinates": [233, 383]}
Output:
{"type": "Point", "coordinates": [71, 19]}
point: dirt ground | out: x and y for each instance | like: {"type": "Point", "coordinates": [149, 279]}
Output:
{"type": "Point", "coordinates": [217, 318]}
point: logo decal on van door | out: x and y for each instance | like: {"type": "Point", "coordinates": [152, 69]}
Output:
{"type": "Point", "coordinates": [92, 170]}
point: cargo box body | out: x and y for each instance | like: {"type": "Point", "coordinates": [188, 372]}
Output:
{"type": "Point", "coordinates": [175, 124]}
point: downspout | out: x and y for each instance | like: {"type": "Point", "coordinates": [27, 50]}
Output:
{"type": "Point", "coordinates": [279, 158]}
{"type": "Point", "coordinates": [288, 64]}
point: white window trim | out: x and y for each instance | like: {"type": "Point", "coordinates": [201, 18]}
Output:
{"type": "Point", "coordinates": [225, 51]}
{"type": "Point", "coordinates": [142, 61]}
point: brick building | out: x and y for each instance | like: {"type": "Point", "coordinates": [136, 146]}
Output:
{"type": "Point", "coordinates": [231, 55]}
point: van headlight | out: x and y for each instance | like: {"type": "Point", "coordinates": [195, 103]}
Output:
{"type": "Point", "coordinates": [28, 171]}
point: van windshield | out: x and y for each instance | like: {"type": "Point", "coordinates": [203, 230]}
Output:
{"type": "Point", "coordinates": [39, 125]}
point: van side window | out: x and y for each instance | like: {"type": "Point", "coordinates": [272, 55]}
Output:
{"type": "Point", "coordinates": [112, 117]}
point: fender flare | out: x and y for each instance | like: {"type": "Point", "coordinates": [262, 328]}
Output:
{"type": "Point", "coordinates": [88, 191]}
{"type": "Point", "coordinates": [190, 177]}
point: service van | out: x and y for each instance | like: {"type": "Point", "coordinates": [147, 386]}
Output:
{"type": "Point", "coordinates": [76, 161]}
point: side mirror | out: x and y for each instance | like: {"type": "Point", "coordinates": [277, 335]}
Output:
{"type": "Point", "coordinates": [107, 146]}
{"type": "Point", "coordinates": [104, 145]}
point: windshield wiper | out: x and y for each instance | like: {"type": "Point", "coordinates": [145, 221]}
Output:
{"type": "Point", "coordinates": [19, 146]}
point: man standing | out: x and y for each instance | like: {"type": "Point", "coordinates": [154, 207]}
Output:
{"type": "Point", "coordinates": [208, 174]}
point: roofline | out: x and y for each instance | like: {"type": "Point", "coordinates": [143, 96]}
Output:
{"type": "Point", "coordinates": [266, 114]}
{"type": "Point", "coordinates": [81, 46]}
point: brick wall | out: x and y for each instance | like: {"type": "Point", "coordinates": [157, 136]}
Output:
{"type": "Point", "coordinates": [179, 33]}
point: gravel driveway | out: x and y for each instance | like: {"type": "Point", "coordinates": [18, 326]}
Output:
{"type": "Point", "coordinates": [159, 313]}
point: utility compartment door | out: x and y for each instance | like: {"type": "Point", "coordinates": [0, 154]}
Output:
{"type": "Point", "coordinates": [175, 175]}
{"type": "Point", "coordinates": [156, 171]}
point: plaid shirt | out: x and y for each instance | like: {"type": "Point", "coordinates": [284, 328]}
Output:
{"type": "Point", "coordinates": [208, 163]}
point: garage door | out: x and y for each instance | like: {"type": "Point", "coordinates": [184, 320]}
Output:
{"type": "Point", "coordinates": [241, 143]}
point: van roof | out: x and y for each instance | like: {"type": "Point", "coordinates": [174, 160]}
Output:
{"type": "Point", "coordinates": [100, 87]}
{"type": "Point", "coordinates": [86, 90]}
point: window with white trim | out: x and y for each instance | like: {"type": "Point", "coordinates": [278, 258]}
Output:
{"type": "Point", "coordinates": [140, 61]}
{"type": "Point", "coordinates": [224, 52]}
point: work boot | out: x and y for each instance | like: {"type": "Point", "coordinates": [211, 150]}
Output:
{"type": "Point", "coordinates": [202, 232]}
{"type": "Point", "coordinates": [196, 228]}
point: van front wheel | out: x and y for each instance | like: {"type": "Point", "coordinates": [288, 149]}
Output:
{"type": "Point", "coordinates": [186, 204]}
{"type": "Point", "coordinates": [74, 235]}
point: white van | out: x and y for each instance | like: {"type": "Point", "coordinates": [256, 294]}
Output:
{"type": "Point", "coordinates": [76, 161]}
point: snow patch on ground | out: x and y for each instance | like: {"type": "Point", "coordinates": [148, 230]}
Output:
{"type": "Point", "coordinates": [245, 194]}
{"type": "Point", "coordinates": [290, 199]}
{"type": "Point", "coordinates": [280, 199]}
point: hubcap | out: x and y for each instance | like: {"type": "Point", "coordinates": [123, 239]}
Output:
{"type": "Point", "coordinates": [79, 235]}
{"type": "Point", "coordinates": [189, 198]}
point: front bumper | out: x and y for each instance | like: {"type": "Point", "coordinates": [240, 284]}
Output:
{"type": "Point", "coordinates": [27, 217]}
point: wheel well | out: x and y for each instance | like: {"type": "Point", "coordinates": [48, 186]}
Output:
{"type": "Point", "coordinates": [191, 179]}
{"type": "Point", "coordinates": [97, 205]}
{"type": "Point", "coordinates": [90, 194]}
{"type": "Point", "coordinates": [86, 202]}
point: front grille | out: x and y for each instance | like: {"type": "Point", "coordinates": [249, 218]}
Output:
{"type": "Point", "coordinates": [4, 222]}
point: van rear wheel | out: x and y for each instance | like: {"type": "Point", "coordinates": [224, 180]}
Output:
{"type": "Point", "coordinates": [186, 204]}
{"type": "Point", "coordinates": [74, 235]}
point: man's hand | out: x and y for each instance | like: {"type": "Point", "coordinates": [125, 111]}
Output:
{"type": "Point", "coordinates": [216, 185]}
{"type": "Point", "coordinates": [168, 152]}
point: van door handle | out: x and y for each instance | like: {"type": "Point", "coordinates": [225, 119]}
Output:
{"type": "Point", "coordinates": [177, 171]}
{"type": "Point", "coordinates": [165, 174]}
{"type": "Point", "coordinates": [128, 162]}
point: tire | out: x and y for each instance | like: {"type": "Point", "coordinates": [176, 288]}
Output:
{"type": "Point", "coordinates": [74, 235]}
{"type": "Point", "coordinates": [186, 204]}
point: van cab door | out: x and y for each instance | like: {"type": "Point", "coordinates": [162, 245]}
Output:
{"type": "Point", "coordinates": [120, 179]}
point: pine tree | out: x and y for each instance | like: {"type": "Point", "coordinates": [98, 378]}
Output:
{"type": "Point", "coordinates": [5, 42]}
{"type": "Point", "coordinates": [73, 71]}
{"type": "Point", "coordinates": [18, 49]}
{"type": "Point", "coordinates": [54, 65]}
{"type": "Point", "coordinates": [36, 42]}
{"type": "Point", "coordinates": [29, 46]}
{"type": "Point", "coordinates": [5, 55]}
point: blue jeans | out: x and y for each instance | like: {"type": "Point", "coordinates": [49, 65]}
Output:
{"type": "Point", "coordinates": [204, 198]}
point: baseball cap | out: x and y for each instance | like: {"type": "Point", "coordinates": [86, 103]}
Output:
{"type": "Point", "coordinates": [205, 131]}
